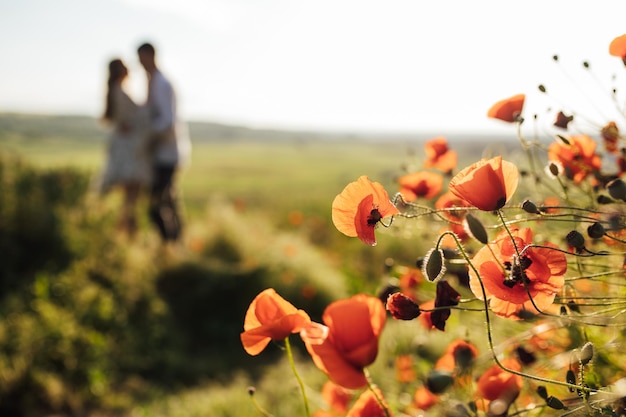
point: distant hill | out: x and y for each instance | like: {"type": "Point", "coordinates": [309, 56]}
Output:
{"type": "Point", "coordinates": [79, 127]}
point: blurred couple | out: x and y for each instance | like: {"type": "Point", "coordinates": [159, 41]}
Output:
{"type": "Point", "coordinates": [147, 146]}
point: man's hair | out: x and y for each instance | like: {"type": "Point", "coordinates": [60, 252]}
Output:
{"type": "Point", "coordinates": [146, 48]}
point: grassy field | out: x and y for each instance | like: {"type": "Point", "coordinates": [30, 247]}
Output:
{"type": "Point", "coordinates": [243, 190]}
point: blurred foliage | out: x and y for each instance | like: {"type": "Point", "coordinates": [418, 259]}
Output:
{"type": "Point", "coordinates": [93, 321]}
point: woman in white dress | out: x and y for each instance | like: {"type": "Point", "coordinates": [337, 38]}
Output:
{"type": "Point", "coordinates": [127, 166]}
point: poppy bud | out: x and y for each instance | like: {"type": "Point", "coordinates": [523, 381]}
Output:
{"type": "Point", "coordinates": [251, 391]}
{"type": "Point", "coordinates": [498, 407]}
{"type": "Point", "coordinates": [476, 229]}
{"type": "Point", "coordinates": [575, 239]}
{"type": "Point", "coordinates": [433, 265]}
{"type": "Point", "coordinates": [530, 207]}
{"type": "Point", "coordinates": [555, 58]}
{"type": "Point", "coordinates": [617, 189]}
{"type": "Point", "coordinates": [542, 392]}
{"type": "Point", "coordinates": [586, 353]}
{"type": "Point", "coordinates": [595, 231]}
{"type": "Point", "coordinates": [570, 377]}
{"type": "Point", "coordinates": [438, 381]}
{"type": "Point", "coordinates": [554, 169]}
{"type": "Point", "coordinates": [602, 199]}
{"type": "Point", "coordinates": [402, 307]}
{"type": "Point", "coordinates": [542, 88]}
{"type": "Point", "coordinates": [586, 64]}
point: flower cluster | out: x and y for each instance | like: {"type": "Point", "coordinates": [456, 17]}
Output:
{"type": "Point", "coordinates": [534, 252]}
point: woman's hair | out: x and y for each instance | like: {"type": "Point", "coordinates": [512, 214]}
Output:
{"type": "Point", "coordinates": [117, 70]}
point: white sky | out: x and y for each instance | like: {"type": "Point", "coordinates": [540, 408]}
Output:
{"type": "Point", "coordinates": [397, 65]}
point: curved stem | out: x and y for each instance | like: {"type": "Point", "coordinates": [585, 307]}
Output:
{"type": "Point", "coordinates": [295, 372]}
{"type": "Point", "coordinates": [371, 387]}
{"type": "Point", "coordinates": [488, 326]}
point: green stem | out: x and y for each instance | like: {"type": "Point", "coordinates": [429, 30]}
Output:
{"type": "Point", "coordinates": [295, 372]}
{"type": "Point", "coordinates": [371, 386]}
{"type": "Point", "coordinates": [488, 325]}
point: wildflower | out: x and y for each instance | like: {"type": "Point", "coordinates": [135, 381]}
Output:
{"type": "Point", "coordinates": [439, 156]}
{"type": "Point", "coordinates": [367, 405]}
{"type": "Point", "coordinates": [402, 307]}
{"type": "Point", "coordinates": [496, 383]}
{"type": "Point", "coordinates": [610, 135]}
{"type": "Point", "coordinates": [446, 297]}
{"type": "Point", "coordinates": [405, 371]}
{"type": "Point", "coordinates": [424, 399]}
{"type": "Point", "coordinates": [459, 355]}
{"type": "Point", "coordinates": [562, 120]}
{"type": "Point", "coordinates": [487, 184]}
{"type": "Point", "coordinates": [337, 397]}
{"type": "Point", "coordinates": [424, 184]}
{"type": "Point", "coordinates": [578, 156]}
{"type": "Point", "coordinates": [354, 327]}
{"type": "Point", "coordinates": [508, 110]}
{"type": "Point", "coordinates": [617, 47]}
{"type": "Point", "coordinates": [359, 208]}
{"type": "Point", "coordinates": [270, 317]}
{"type": "Point", "coordinates": [510, 278]}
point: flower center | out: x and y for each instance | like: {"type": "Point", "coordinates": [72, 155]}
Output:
{"type": "Point", "coordinates": [374, 217]}
{"type": "Point", "coordinates": [515, 271]}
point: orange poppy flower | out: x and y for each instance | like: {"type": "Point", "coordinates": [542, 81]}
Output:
{"type": "Point", "coordinates": [508, 279]}
{"type": "Point", "coordinates": [424, 398]}
{"type": "Point", "coordinates": [367, 405]}
{"type": "Point", "coordinates": [617, 47]}
{"type": "Point", "coordinates": [508, 110]}
{"type": "Point", "coordinates": [405, 369]}
{"type": "Point", "coordinates": [578, 156]}
{"type": "Point", "coordinates": [459, 355]}
{"type": "Point", "coordinates": [424, 184]}
{"type": "Point", "coordinates": [487, 184]}
{"type": "Point", "coordinates": [495, 383]}
{"type": "Point", "coordinates": [610, 135]}
{"type": "Point", "coordinates": [439, 156]}
{"type": "Point", "coordinates": [354, 327]}
{"type": "Point", "coordinates": [337, 397]}
{"type": "Point", "coordinates": [359, 208]}
{"type": "Point", "coordinates": [270, 317]}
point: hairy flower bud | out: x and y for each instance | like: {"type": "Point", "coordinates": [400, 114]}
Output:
{"type": "Point", "coordinates": [576, 240]}
{"type": "Point", "coordinates": [402, 307]}
{"type": "Point", "coordinates": [596, 230]}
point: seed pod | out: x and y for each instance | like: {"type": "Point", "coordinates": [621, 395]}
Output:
{"type": "Point", "coordinates": [477, 229]}
{"type": "Point", "coordinates": [542, 392]}
{"type": "Point", "coordinates": [596, 230]}
{"type": "Point", "coordinates": [575, 239]}
{"type": "Point", "coordinates": [438, 381]}
{"type": "Point", "coordinates": [555, 403]}
{"type": "Point", "coordinates": [530, 207]}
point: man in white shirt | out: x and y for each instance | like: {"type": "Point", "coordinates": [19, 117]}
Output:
{"type": "Point", "coordinates": [169, 144]}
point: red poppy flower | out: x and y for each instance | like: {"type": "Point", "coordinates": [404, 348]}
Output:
{"type": "Point", "coordinates": [578, 156]}
{"type": "Point", "coordinates": [424, 184]}
{"type": "Point", "coordinates": [270, 317]}
{"type": "Point", "coordinates": [562, 120]}
{"type": "Point", "coordinates": [508, 110]}
{"type": "Point", "coordinates": [359, 208]}
{"type": "Point", "coordinates": [446, 297]}
{"type": "Point", "coordinates": [448, 204]}
{"type": "Point", "coordinates": [509, 279]}
{"type": "Point", "coordinates": [402, 307]}
{"type": "Point", "coordinates": [459, 355]}
{"type": "Point", "coordinates": [405, 368]}
{"type": "Point", "coordinates": [439, 156]}
{"type": "Point", "coordinates": [367, 405]}
{"type": "Point", "coordinates": [487, 184]}
{"type": "Point", "coordinates": [337, 397]}
{"type": "Point", "coordinates": [424, 398]}
{"type": "Point", "coordinates": [610, 135]}
{"type": "Point", "coordinates": [496, 383]}
{"type": "Point", "coordinates": [354, 327]}
{"type": "Point", "coordinates": [617, 47]}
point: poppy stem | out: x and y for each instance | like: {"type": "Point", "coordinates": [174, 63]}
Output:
{"type": "Point", "coordinates": [295, 372]}
{"type": "Point", "coordinates": [488, 326]}
{"type": "Point", "coordinates": [371, 386]}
